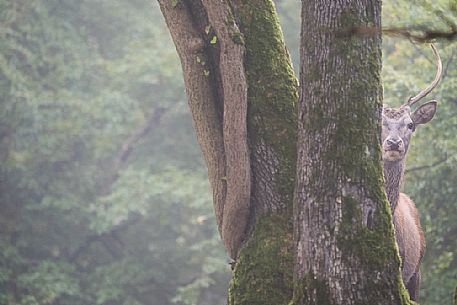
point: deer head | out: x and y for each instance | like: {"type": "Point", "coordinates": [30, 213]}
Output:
{"type": "Point", "coordinates": [398, 124]}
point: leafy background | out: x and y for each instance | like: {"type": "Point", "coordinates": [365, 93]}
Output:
{"type": "Point", "coordinates": [103, 192]}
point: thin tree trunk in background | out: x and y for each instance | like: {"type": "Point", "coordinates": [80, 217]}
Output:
{"type": "Point", "coordinates": [345, 251]}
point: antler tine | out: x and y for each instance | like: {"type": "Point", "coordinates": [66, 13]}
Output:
{"type": "Point", "coordinates": [435, 82]}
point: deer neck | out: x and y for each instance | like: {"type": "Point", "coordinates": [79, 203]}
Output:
{"type": "Point", "coordinates": [393, 176]}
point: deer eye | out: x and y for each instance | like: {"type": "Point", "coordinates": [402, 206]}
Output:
{"type": "Point", "coordinates": [411, 126]}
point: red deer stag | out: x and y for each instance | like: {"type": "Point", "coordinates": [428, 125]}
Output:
{"type": "Point", "coordinates": [398, 124]}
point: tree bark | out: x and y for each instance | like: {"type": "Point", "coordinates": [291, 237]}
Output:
{"type": "Point", "coordinates": [343, 233]}
{"type": "Point", "coordinates": [242, 94]}
{"type": "Point", "coordinates": [263, 272]}
{"type": "Point", "coordinates": [192, 47]}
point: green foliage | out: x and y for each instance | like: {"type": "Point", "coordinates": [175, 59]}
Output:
{"type": "Point", "coordinates": [432, 158]}
{"type": "Point", "coordinates": [103, 192]}
{"type": "Point", "coordinates": [48, 282]}
{"type": "Point", "coordinates": [263, 272]}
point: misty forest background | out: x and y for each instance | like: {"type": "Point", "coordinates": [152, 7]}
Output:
{"type": "Point", "coordinates": [104, 197]}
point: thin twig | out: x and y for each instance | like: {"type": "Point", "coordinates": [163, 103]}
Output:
{"type": "Point", "coordinates": [448, 64]}
{"type": "Point", "coordinates": [415, 35]}
{"type": "Point", "coordinates": [127, 148]}
{"type": "Point", "coordinates": [422, 167]}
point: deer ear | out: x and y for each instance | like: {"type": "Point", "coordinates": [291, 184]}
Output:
{"type": "Point", "coordinates": [424, 113]}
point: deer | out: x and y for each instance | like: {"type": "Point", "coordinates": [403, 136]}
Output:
{"type": "Point", "coordinates": [398, 125]}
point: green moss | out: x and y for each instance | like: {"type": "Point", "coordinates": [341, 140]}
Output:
{"type": "Point", "coordinates": [359, 161]}
{"type": "Point", "coordinates": [310, 283]}
{"type": "Point", "coordinates": [272, 88]}
{"type": "Point", "coordinates": [357, 164]}
{"type": "Point", "coordinates": [372, 246]}
{"type": "Point", "coordinates": [263, 272]}
{"type": "Point", "coordinates": [403, 292]}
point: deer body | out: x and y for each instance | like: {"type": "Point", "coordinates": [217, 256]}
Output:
{"type": "Point", "coordinates": [396, 132]}
{"type": "Point", "coordinates": [411, 238]}
{"type": "Point", "coordinates": [408, 231]}
{"type": "Point", "coordinates": [398, 124]}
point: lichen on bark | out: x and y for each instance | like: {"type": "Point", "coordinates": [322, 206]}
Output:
{"type": "Point", "coordinates": [263, 272]}
{"type": "Point", "coordinates": [271, 97]}
{"type": "Point", "coordinates": [272, 87]}
{"type": "Point", "coordinates": [343, 227]}
{"type": "Point", "coordinates": [264, 267]}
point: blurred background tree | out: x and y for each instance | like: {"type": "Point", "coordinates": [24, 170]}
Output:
{"type": "Point", "coordinates": [103, 193]}
{"type": "Point", "coordinates": [104, 196]}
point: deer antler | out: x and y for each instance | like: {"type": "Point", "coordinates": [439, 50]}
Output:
{"type": "Point", "coordinates": [435, 82]}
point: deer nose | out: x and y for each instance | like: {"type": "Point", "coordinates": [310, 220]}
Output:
{"type": "Point", "coordinates": [394, 143]}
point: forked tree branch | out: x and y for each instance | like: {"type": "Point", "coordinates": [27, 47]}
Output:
{"type": "Point", "coordinates": [127, 148]}
{"type": "Point", "coordinates": [427, 166]}
{"type": "Point", "coordinates": [214, 76]}
{"type": "Point", "coordinates": [238, 169]}
{"type": "Point", "coordinates": [102, 238]}
{"type": "Point", "coordinates": [207, 120]}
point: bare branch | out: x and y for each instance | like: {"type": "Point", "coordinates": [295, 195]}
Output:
{"type": "Point", "coordinates": [422, 36]}
{"type": "Point", "coordinates": [422, 167]}
{"type": "Point", "coordinates": [127, 148]}
{"type": "Point", "coordinates": [415, 35]}
{"type": "Point", "coordinates": [201, 89]}
{"type": "Point", "coordinates": [103, 238]}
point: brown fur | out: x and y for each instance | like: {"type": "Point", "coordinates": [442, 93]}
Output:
{"type": "Point", "coordinates": [395, 113]}
{"type": "Point", "coordinates": [397, 128]}
{"type": "Point", "coordinates": [410, 237]}
{"type": "Point", "coordinates": [408, 231]}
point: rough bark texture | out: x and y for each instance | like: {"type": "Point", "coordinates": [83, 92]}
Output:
{"type": "Point", "coordinates": [192, 48]}
{"type": "Point", "coordinates": [238, 171]}
{"type": "Point", "coordinates": [252, 191]}
{"type": "Point", "coordinates": [344, 240]}
{"type": "Point", "coordinates": [212, 62]}
{"type": "Point", "coordinates": [263, 272]}
{"type": "Point", "coordinates": [234, 60]}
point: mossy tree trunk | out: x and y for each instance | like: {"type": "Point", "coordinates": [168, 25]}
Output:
{"type": "Point", "coordinates": [343, 230]}
{"type": "Point", "coordinates": [242, 95]}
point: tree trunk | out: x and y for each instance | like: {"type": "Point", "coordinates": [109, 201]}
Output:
{"type": "Point", "coordinates": [242, 90]}
{"type": "Point", "coordinates": [242, 95]}
{"type": "Point", "coordinates": [344, 240]}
